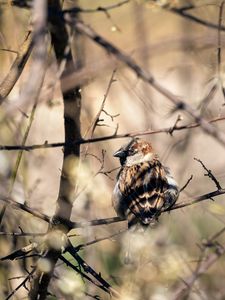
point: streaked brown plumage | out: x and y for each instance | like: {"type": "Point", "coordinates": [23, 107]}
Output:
{"type": "Point", "coordinates": [144, 186]}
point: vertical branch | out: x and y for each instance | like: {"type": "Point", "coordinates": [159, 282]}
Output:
{"type": "Point", "coordinates": [220, 20]}
{"type": "Point", "coordinates": [72, 106]}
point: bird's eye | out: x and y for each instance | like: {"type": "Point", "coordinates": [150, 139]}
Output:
{"type": "Point", "coordinates": [131, 151]}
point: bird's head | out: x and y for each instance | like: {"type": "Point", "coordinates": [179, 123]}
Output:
{"type": "Point", "coordinates": [135, 152]}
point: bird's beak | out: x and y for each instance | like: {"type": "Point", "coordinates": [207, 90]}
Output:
{"type": "Point", "coordinates": [120, 153]}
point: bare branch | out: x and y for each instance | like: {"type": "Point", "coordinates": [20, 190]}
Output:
{"type": "Point", "coordinates": [204, 265]}
{"type": "Point", "coordinates": [72, 107]}
{"type": "Point", "coordinates": [210, 174]}
{"type": "Point", "coordinates": [186, 184]}
{"type": "Point", "coordinates": [20, 252]}
{"type": "Point", "coordinates": [147, 77]}
{"type": "Point", "coordinates": [183, 13]}
{"type": "Point", "coordinates": [32, 87]}
{"type": "Point", "coordinates": [88, 269]}
{"type": "Point", "coordinates": [104, 9]}
{"type": "Point", "coordinates": [105, 138]}
{"type": "Point", "coordinates": [17, 67]}
{"type": "Point", "coordinates": [81, 246]}
{"type": "Point", "coordinates": [28, 277]}
{"type": "Point", "coordinates": [197, 199]}
{"type": "Point", "coordinates": [69, 264]}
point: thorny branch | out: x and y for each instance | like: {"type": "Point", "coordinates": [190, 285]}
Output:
{"type": "Point", "coordinates": [105, 138]}
{"type": "Point", "coordinates": [104, 9]}
{"type": "Point", "coordinates": [106, 221]}
{"type": "Point", "coordinates": [88, 269]}
{"type": "Point", "coordinates": [27, 278]}
{"type": "Point", "coordinates": [96, 120]}
{"type": "Point", "coordinates": [147, 77]}
{"type": "Point", "coordinates": [85, 276]}
{"type": "Point", "coordinates": [204, 263]}
{"type": "Point", "coordinates": [209, 174]}
{"type": "Point", "coordinates": [17, 67]}
{"type": "Point", "coordinates": [182, 11]}
{"type": "Point", "coordinates": [219, 46]}
{"type": "Point", "coordinates": [186, 184]}
{"type": "Point", "coordinates": [72, 107]}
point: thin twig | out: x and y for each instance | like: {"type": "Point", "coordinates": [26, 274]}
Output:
{"type": "Point", "coordinates": [186, 184]}
{"type": "Point", "coordinates": [209, 174]}
{"type": "Point", "coordinates": [21, 284]}
{"type": "Point", "coordinates": [81, 246]}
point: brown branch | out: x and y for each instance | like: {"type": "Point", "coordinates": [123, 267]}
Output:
{"type": "Point", "coordinates": [106, 221]}
{"type": "Point", "coordinates": [17, 67]}
{"type": "Point", "coordinates": [88, 269]}
{"type": "Point", "coordinates": [21, 234]}
{"type": "Point", "coordinates": [105, 9]}
{"type": "Point", "coordinates": [20, 252]}
{"type": "Point", "coordinates": [26, 208]}
{"type": "Point", "coordinates": [147, 77]}
{"type": "Point", "coordinates": [72, 105]}
{"type": "Point", "coordinates": [96, 120]}
{"type": "Point", "coordinates": [186, 184]}
{"type": "Point", "coordinates": [220, 20]}
{"type": "Point", "coordinates": [105, 138]}
{"type": "Point", "coordinates": [85, 276]}
{"type": "Point", "coordinates": [97, 117]}
{"type": "Point", "coordinates": [18, 160]}
{"type": "Point", "coordinates": [209, 174]}
{"type": "Point", "coordinates": [183, 291]}
{"type": "Point", "coordinates": [197, 199]}
{"type": "Point", "coordinates": [32, 87]}
{"type": "Point", "coordinates": [81, 246]}
{"type": "Point", "coordinates": [21, 284]}
{"type": "Point", "coordinates": [183, 13]}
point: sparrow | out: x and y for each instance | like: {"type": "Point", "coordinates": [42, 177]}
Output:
{"type": "Point", "coordinates": [144, 187]}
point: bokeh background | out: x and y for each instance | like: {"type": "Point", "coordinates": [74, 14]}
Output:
{"type": "Point", "coordinates": [182, 56]}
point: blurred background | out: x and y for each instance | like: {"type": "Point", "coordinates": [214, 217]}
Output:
{"type": "Point", "coordinates": [182, 56]}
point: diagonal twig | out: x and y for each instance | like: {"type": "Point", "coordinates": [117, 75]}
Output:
{"type": "Point", "coordinates": [17, 67]}
{"type": "Point", "coordinates": [146, 77]}
{"type": "Point", "coordinates": [209, 174]}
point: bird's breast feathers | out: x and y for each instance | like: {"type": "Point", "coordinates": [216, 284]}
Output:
{"type": "Point", "coordinates": [143, 190]}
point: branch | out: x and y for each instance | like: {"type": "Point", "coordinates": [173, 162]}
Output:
{"type": "Point", "coordinates": [183, 291]}
{"type": "Point", "coordinates": [183, 13]}
{"type": "Point", "coordinates": [105, 9]}
{"type": "Point", "coordinates": [88, 269]}
{"type": "Point", "coordinates": [72, 106]}
{"type": "Point", "coordinates": [104, 138]}
{"type": "Point", "coordinates": [32, 87]}
{"type": "Point", "coordinates": [17, 67]}
{"type": "Point", "coordinates": [210, 174]}
{"type": "Point", "coordinates": [197, 199]}
{"type": "Point", "coordinates": [186, 184]}
{"type": "Point", "coordinates": [21, 284]}
{"type": "Point", "coordinates": [147, 77]}
{"type": "Point", "coordinates": [107, 221]}
{"type": "Point", "coordinates": [69, 264]}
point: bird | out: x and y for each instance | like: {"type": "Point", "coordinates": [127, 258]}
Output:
{"type": "Point", "coordinates": [144, 186]}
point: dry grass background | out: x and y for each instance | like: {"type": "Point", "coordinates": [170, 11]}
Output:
{"type": "Point", "coordinates": [182, 55]}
